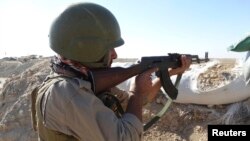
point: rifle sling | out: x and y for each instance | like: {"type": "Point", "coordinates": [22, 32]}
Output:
{"type": "Point", "coordinates": [166, 106]}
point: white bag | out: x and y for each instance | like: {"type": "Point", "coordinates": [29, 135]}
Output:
{"type": "Point", "coordinates": [246, 68]}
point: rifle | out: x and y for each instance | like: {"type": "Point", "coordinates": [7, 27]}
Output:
{"type": "Point", "coordinates": [104, 79]}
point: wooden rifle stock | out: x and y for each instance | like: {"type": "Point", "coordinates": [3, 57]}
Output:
{"type": "Point", "coordinates": [104, 79]}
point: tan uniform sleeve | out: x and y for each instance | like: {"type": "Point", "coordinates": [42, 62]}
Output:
{"type": "Point", "coordinates": [71, 108]}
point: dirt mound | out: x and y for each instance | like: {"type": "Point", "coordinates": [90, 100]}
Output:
{"type": "Point", "coordinates": [182, 122]}
{"type": "Point", "coordinates": [14, 66]}
{"type": "Point", "coordinates": [15, 121]}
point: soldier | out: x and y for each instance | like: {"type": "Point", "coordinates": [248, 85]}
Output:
{"type": "Point", "coordinates": [85, 36]}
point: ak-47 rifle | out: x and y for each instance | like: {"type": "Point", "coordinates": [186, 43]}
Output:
{"type": "Point", "coordinates": [104, 79]}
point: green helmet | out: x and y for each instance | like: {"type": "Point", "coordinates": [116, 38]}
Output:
{"type": "Point", "coordinates": [85, 33]}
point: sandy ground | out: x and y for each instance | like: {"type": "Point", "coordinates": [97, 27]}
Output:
{"type": "Point", "coordinates": [182, 122]}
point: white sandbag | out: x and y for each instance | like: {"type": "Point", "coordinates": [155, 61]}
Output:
{"type": "Point", "coordinates": [234, 91]}
{"type": "Point", "coordinates": [246, 68]}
